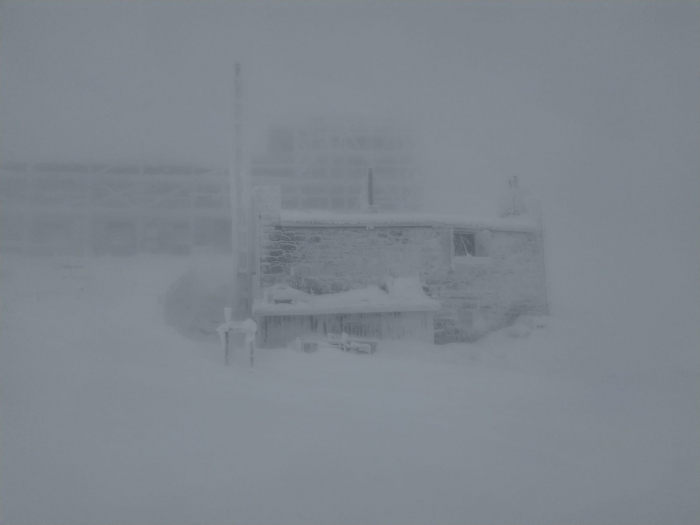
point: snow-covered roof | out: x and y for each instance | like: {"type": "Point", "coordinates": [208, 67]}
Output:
{"type": "Point", "coordinates": [404, 296]}
{"type": "Point", "coordinates": [322, 218]}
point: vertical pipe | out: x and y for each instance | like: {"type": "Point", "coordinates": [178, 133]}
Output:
{"type": "Point", "coordinates": [370, 188]}
{"type": "Point", "coordinates": [235, 181]}
{"type": "Point", "coordinates": [226, 347]}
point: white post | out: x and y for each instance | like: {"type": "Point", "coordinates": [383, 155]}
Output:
{"type": "Point", "coordinates": [236, 185]}
{"type": "Point", "coordinates": [233, 191]}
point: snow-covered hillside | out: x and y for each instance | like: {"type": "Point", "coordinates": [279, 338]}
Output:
{"type": "Point", "coordinates": [111, 414]}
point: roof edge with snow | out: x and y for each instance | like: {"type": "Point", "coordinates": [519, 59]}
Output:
{"type": "Point", "coordinates": [330, 219]}
{"type": "Point", "coordinates": [405, 295]}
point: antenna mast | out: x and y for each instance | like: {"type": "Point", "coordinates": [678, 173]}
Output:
{"type": "Point", "coordinates": [238, 193]}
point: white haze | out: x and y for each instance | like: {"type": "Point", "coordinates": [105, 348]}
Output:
{"type": "Point", "coordinates": [593, 105]}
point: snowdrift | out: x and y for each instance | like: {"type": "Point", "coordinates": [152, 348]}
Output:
{"type": "Point", "coordinates": [110, 414]}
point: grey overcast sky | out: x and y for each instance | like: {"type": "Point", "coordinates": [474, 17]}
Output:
{"type": "Point", "coordinates": [594, 105]}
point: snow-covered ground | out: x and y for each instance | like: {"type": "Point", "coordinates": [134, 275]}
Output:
{"type": "Point", "coordinates": [110, 415]}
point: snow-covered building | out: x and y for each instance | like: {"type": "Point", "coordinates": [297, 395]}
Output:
{"type": "Point", "coordinates": [391, 275]}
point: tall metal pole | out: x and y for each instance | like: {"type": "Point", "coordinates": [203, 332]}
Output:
{"type": "Point", "coordinates": [236, 186]}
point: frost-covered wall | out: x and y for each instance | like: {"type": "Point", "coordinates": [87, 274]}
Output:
{"type": "Point", "coordinates": [486, 294]}
{"type": "Point", "coordinates": [336, 259]}
{"type": "Point", "coordinates": [477, 294]}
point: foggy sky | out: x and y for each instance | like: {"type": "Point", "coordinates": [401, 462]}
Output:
{"type": "Point", "coordinates": [595, 106]}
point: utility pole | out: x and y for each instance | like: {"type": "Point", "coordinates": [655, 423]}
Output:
{"type": "Point", "coordinates": [237, 186]}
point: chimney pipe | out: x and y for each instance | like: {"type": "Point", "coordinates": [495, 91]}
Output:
{"type": "Point", "coordinates": [370, 188]}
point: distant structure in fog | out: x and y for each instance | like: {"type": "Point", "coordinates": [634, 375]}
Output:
{"type": "Point", "coordinates": [321, 164]}
{"type": "Point", "coordinates": [57, 208]}
{"type": "Point", "coordinates": [124, 208]}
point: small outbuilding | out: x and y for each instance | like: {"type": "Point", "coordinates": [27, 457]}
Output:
{"type": "Point", "coordinates": [427, 277]}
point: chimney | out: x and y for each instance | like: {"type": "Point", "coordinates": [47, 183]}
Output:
{"type": "Point", "coordinates": [512, 200]}
{"type": "Point", "coordinates": [370, 188]}
{"type": "Point", "coordinates": [369, 205]}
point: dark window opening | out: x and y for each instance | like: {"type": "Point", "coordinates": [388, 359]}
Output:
{"type": "Point", "coordinates": [464, 244]}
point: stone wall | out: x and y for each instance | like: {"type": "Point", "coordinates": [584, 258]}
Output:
{"type": "Point", "coordinates": [488, 293]}
{"type": "Point", "coordinates": [477, 295]}
{"type": "Point", "coordinates": [326, 260]}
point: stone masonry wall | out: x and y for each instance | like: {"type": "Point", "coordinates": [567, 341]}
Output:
{"type": "Point", "coordinates": [490, 293]}
{"type": "Point", "coordinates": [477, 296]}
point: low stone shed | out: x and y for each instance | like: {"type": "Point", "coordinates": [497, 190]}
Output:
{"type": "Point", "coordinates": [471, 275]}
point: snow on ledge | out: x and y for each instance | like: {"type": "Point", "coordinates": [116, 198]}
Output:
{"type": "Point", "coordinates": [323, 218]}
{"type": "Point", "coordinates": [365, 300]}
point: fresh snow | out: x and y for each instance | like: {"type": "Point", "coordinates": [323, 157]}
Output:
{"type": "Point", "coordinates": [329, 218]}
{"type": "Point", "coordinates": [404, 295]}
{"type": "Point", "coordinates": [110, 415]}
